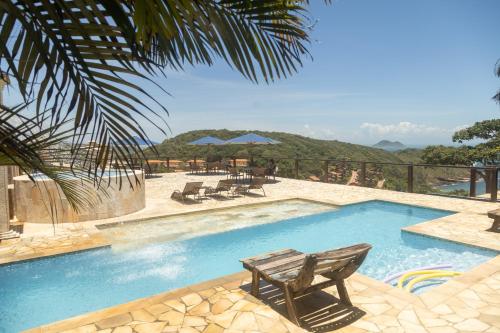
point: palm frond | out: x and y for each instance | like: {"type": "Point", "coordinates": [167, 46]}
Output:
{"type": "Point", "coordinates": [85, 60]}
{"type": "Point", "coordinates": [24, 142]}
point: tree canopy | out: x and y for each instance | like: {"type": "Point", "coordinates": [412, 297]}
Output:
{"type": "Point", "coordinates": [487, 152]}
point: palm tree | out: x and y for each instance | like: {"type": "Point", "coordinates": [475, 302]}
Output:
{"type": "Point", "coordinates": [79, 63]}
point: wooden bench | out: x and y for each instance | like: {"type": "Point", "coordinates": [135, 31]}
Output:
{"type": "Point", "coordinates": [293, 272]}
{"type": "Point", "coordinates": [495, 215]}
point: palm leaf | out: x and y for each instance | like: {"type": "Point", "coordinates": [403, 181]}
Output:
{"type": "Point", "coordinates": [84, 60]}
{"type": "Point", "coordinates": [26, 143]}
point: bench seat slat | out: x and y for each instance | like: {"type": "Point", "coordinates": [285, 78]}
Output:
{"type": "Point", "coordinates": [269, 257]}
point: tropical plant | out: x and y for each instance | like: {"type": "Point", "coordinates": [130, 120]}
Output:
{"type": "Point", "coordinates": [80, 62]}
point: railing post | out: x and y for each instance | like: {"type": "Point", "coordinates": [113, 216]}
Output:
{"type": "Point", "coordinates": [494, 183]}
{"type": "Point", "coordinates": [234, 162]}
{"type": "Point", "coordinates": [362, 176]}
{"type": "Point", "coordinates": [168, 164]}
{"type": "Point", "coordinates": [410, 178]}
{"type": "Point", "coordinates": [472, 185]}
{"type": "Point", "coordinates": [325, 178]}
{"type": "Point", "coordinates": [296, 169]}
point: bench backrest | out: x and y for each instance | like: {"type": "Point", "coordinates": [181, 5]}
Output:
{"type": "Point", "coordinates": [335, 265]}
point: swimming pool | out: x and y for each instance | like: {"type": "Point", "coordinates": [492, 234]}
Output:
{"type": "Point", "coordinates": [46, 290]}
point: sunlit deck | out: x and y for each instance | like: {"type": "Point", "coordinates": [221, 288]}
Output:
{"type": "Point", "coordinates": [470, 302]}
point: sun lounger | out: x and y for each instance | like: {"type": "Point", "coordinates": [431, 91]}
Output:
{"type": "Point", "coordinates": [224, 185]}
{"type": "Point", "coordinates": [192, 188]}
{"type": "Point", "coordinates": [495, 215]}
{"type": "Point", "coordinates": [255, 184]}
{"type": "Point", "coordinates": [293, 272]}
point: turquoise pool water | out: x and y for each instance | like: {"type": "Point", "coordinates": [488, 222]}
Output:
{"type": "Point", "coordinates": [42, 291]}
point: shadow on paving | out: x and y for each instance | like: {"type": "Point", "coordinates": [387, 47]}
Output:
{"type": "Point", "coordinates": [317, 312]}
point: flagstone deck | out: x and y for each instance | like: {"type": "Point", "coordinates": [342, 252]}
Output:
{"type": "Point", "coordinates": [469, 303]}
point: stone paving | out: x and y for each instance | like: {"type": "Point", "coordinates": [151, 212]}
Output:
{"type": "Point", "coordinates": [64, 241]}
{"type": "Point", "coordinates": [468, 303]}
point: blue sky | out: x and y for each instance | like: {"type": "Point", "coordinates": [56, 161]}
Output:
{"type": "Point", "coordinates": [413, 71]}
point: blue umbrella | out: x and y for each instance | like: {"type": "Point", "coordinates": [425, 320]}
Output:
{"type": "Point", "coordinates": [207, 140]}
{"type": "Point", "coordinates": [251, 139]}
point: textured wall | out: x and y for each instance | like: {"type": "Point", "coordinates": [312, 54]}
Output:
{"type": "Point", "coordinates": [44, 204]}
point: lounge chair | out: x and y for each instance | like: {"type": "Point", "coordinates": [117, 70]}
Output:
{"type": "Point", "coordinates": [293, 272]}
{"type": "Point", "coordinates": [224, 185]}
{"type": "Point", "coordinates": [255, 184]}
{"type": "Point", "coordinates": [495, 215]}
{"type": "Point", "coordinates": [191, 188]}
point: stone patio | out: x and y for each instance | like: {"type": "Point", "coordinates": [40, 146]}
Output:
{"type": "Point", "coordinates": [468, 303]}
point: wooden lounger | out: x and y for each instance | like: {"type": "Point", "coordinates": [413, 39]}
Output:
{"type": "Point", "coordinates": [293, 271]}
{"type": "Point", "coordinates": [495, 215]}
{"type": "Point", "coordinates": [191, 188]}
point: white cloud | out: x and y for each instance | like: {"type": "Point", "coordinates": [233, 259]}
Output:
{"type": "Point", "coordinates": [317, 133]}
{"type": "Point", "coordinates": [403, 128]}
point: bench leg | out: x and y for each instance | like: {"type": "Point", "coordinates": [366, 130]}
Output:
{"type": "Point", "coordinates": [344, 297]}
{"type": "Point", "coordinates": [290, 306]}
{"type": "Point", "coordinates": [255, 283]}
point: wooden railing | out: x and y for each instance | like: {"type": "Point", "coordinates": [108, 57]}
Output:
{"type": "Point", "coordinates": [408, 177]}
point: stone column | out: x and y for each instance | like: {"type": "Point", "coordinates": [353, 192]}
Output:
{"type": "Point", "coordinates": [5, 231]}
{"type": "Point", "coordinates": [4, 200]}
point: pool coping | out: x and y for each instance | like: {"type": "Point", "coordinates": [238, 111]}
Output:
{"type": "Point", "coordinates": [97, 241]}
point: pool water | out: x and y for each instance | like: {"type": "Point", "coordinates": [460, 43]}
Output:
{"type": "Point", "coordinates": [135, 234]}
{"type": "Point", "coordinates": [42, 291]}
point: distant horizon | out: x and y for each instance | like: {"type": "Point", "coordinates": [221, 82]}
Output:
{"type": "Point", "coordinates": [407, 145]}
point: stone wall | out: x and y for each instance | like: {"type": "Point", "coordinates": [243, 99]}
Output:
{"type": "Point", "coordinates": [43, 201]}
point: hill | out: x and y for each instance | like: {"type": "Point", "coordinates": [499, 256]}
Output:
{"type": "Point", "coordinates": [296, 146]}
{"type": "Point", "coordinates": [389, 145]}
{"type": "Point", "coordinates": [292, 145]}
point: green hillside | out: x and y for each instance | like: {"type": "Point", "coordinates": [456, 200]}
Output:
{"type": "Point", "coordinates": [296, 146]}
{"type": "Point", "coordinates": [292, 145]}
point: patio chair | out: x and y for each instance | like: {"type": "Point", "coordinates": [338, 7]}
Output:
{"type": "Point", "coordinates": [194, 167]}
{"type": "Point", "coordinates": [224, 185]}
{"type": "Point", "coordinates": [233, 173]}
{"type": "Point", "coordinates": [294, 272]}
{"type": "Point", "coordinates": [259, 172]}
{"type": "Point", "coordinates": [255, 184]}
{"type": "Point", "coordinates": [495, 215]}
{"type": "Point", "coordinates": [191, 188]}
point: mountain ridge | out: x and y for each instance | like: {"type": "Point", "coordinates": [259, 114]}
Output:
{"type": "Point", "coordinates": [389, 145]}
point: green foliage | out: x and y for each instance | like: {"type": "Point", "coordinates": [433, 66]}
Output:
{"type": "Point", "coordinates": [486, 152]}
{"type": "Point", "coordinates": [292, 145]}
{"type": "Point", "coordinates": [447, 155]}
